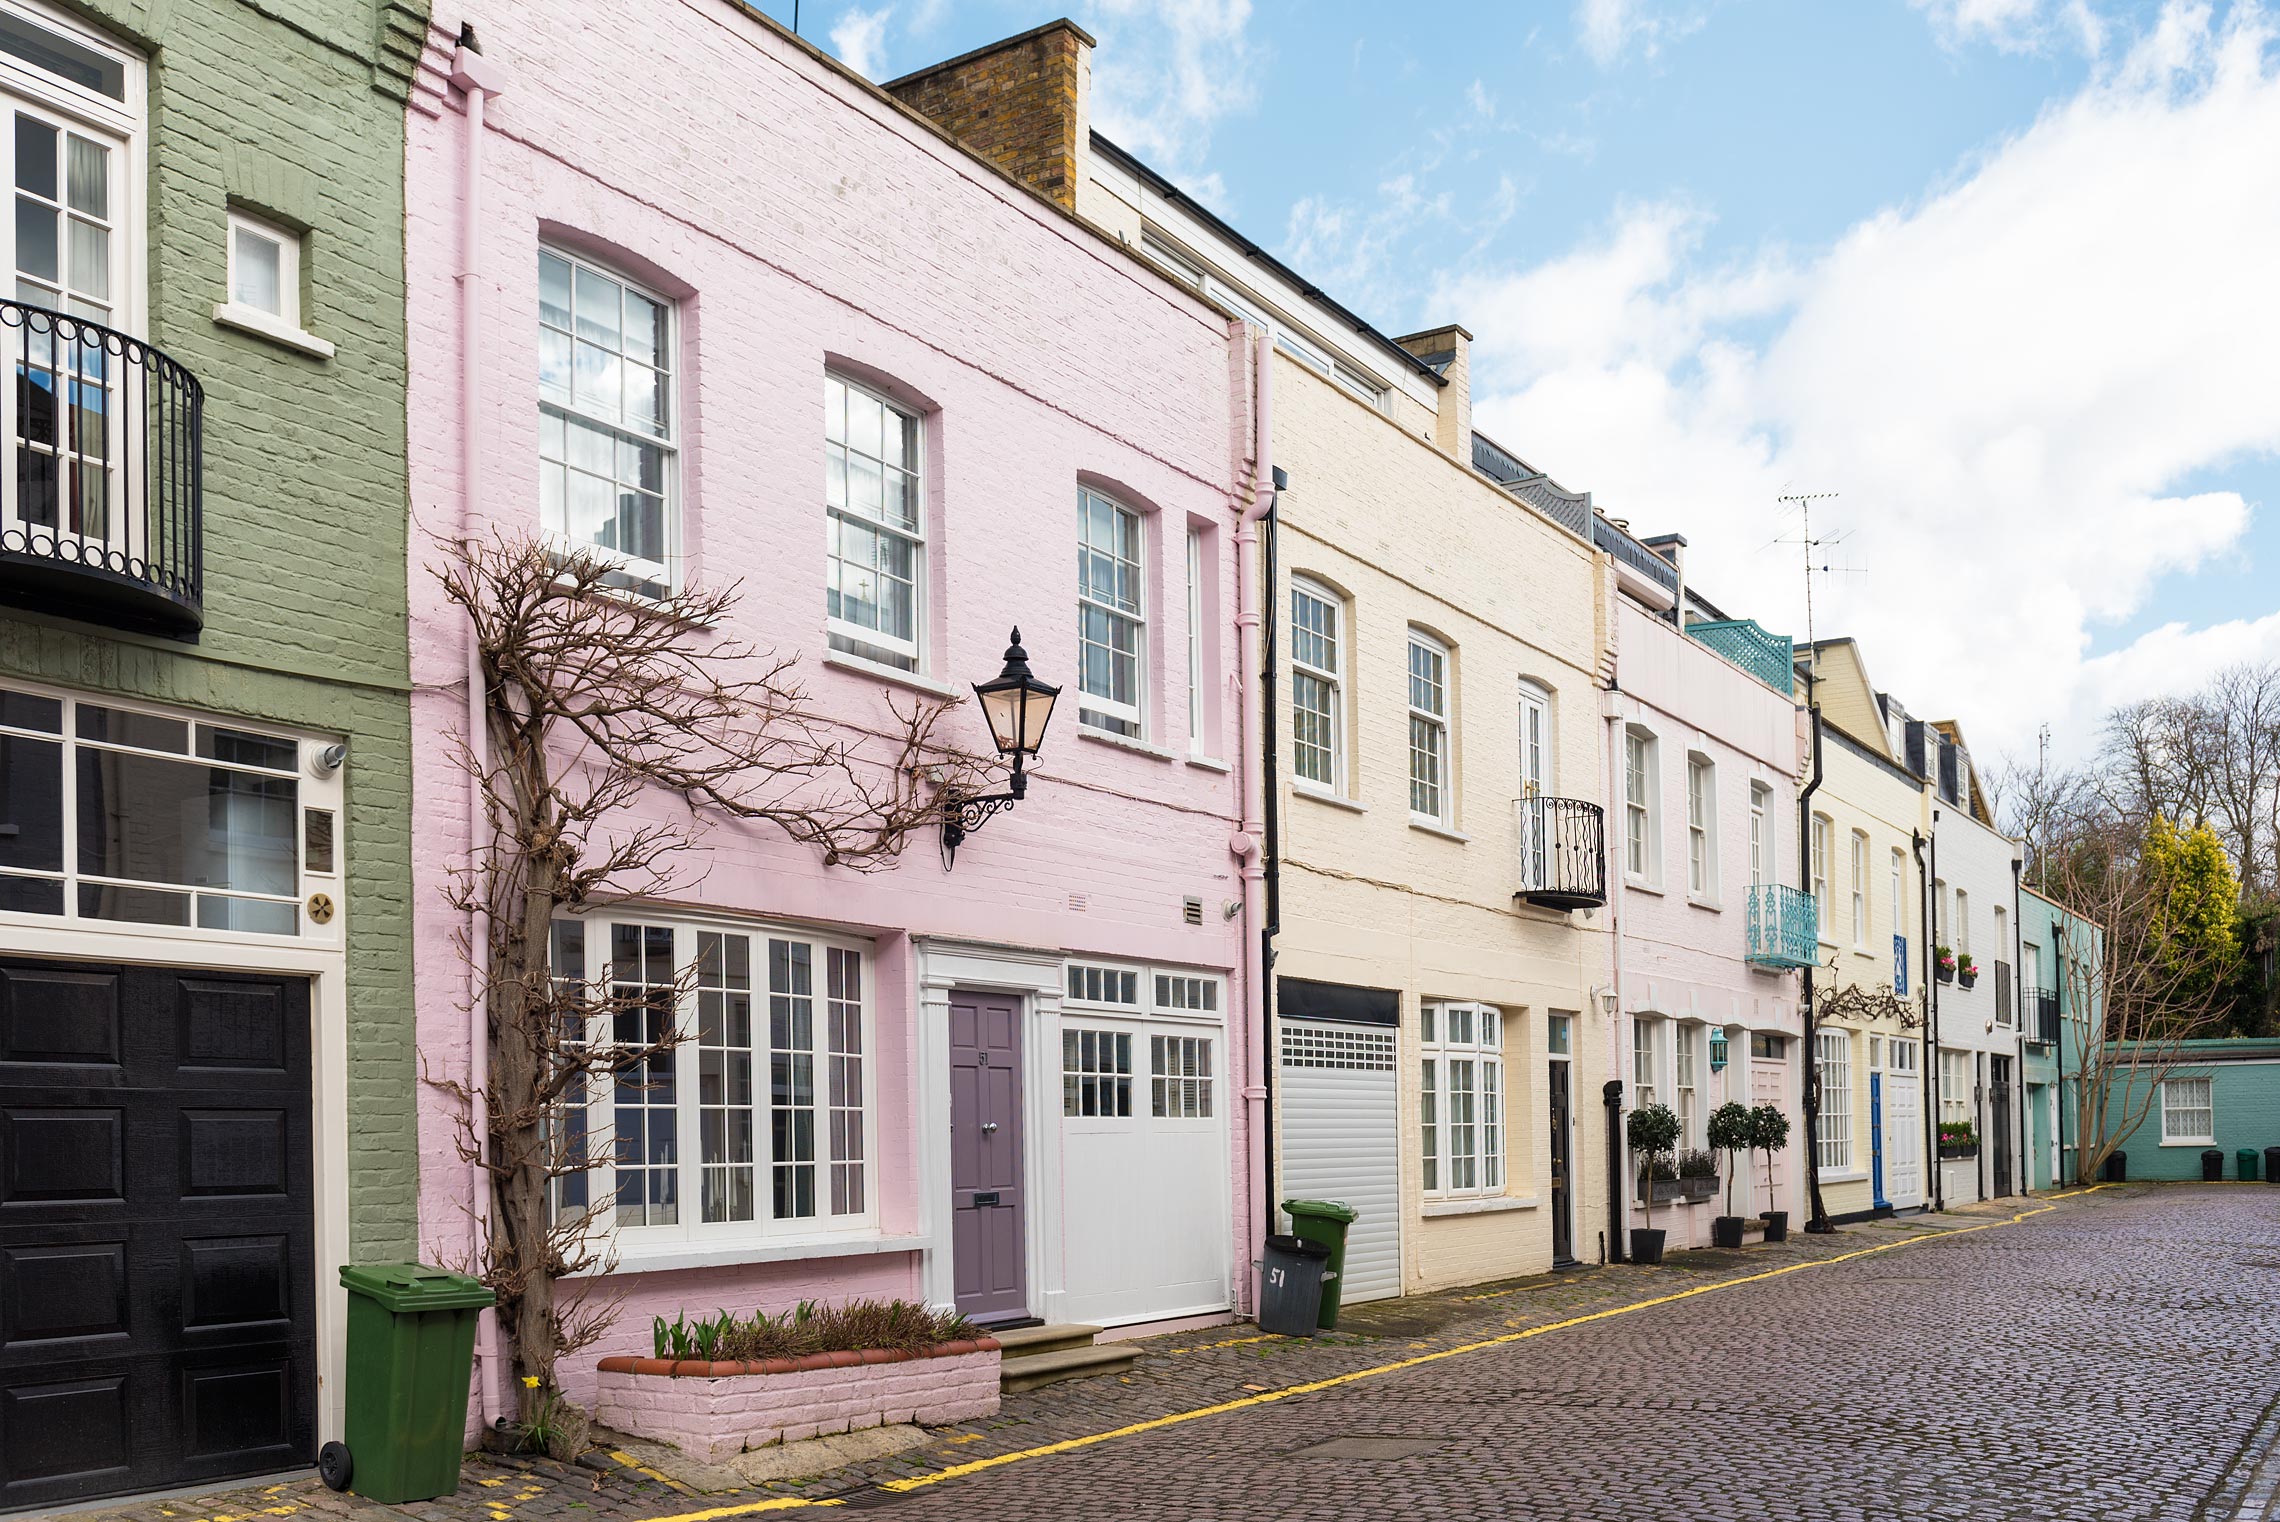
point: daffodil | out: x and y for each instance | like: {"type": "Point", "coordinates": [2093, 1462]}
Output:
{"type": "Point", "coordinates": [530, 1381]}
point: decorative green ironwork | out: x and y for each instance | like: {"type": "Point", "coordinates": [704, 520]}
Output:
{"type": "Point", "coordinates": [1782, 931]}
{"type": "Point", "coordinates": [1771, 658]}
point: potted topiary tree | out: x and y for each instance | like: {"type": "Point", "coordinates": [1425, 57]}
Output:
{"type": "Point", "coordinates": [1769, 1133]}
{"type": "Point", "coordinates": [1729, 1133]}
{"type": "Point", "coordinates": [1652, 1131]}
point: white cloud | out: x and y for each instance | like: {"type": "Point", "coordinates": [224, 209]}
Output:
{"type": "Point", "coordinates": [2016, 26]}
{"type": "Point", "coordinates": [1610, 30]}
{"type": "Point", "coordinates": [860, 38]}
{"type": "Point", "coordinates": [1166, 73]}
{"type": "Point", "coordinates": [2007, 382]}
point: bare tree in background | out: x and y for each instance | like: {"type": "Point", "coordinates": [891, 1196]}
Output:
{"type": "Point", "coordinates": [616, 730]}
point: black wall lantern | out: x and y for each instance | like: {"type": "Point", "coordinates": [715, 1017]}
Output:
{"type": "Point", "coordinates": [1018, 707]}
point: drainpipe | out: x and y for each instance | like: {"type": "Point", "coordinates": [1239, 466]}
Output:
{"type": "Point", "coordinates": [1924, 1075]}
{"type": "Point", "coordinates": [1617, 1212]}
{"type": "Point", "coordinates": [1611, 1093]}
{"type": "Point", "coordinates": [2019, 1027]}
{"type": "Point", "coordinates": [1932, 982]}
{"type": "Point", "coordinates": [1253, 842]}
{"type": "Point", "coordinates": [1811, 1071]}
{"type": "Point", "coordinates": [477, 80]}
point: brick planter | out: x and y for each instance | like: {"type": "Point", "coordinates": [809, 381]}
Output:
{"type": "Point", "coordinates": [713, 1411]}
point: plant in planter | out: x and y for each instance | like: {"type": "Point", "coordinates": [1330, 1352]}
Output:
{"type": "Point", "coordinates": [1958, 1138]}
{"type": "Point", "coordinates": [1652, 1131]}
{"type": "Point", "coordinates": [1729, 1133]}
{"type": "Point", "coordinates": [1769, 1133]}
{"type": "Point", "coordinates": [1698, 1174]}
{"type": "Point", "coordinates": [1943, 960]}
{"type": "Point", "coordinates": [1966, 970]}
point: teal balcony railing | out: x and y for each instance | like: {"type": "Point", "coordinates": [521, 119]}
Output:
{"type": "Point", "coordinates": [1771, 658]}
{"type": "Point", "coordinates": [1782, 932]}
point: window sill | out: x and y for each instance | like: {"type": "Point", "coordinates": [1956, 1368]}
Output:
{"type": "Point", "coordinates": [261, 325]}
{"type": "Point", "coordinates": [2204, 1143]}
{"type": "Point", "coordinates": [1843, 1175]}
{"type": "Point", "coordinates": [895, 675]}
{"type": "Point", "coordinates": [1641, 885]}
{"type": "Point", "coordinates": [1715, 906]}
{"type": "Point", "coordinates": [636, 1259]}
{"type": "Point", "coordinates": [1210, 764]}
{"type": "Point", "coordinates": [1433, 827]}
{"type": "Point", "coordinates": [1492, 1205]}
{"type": "Point", "coordinates": [1124, 742]}
{"type": "Point", "coordinates": [1302, 790]}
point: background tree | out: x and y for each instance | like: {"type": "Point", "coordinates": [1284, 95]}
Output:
{"type": "Point", "coordinates": [616, 731]}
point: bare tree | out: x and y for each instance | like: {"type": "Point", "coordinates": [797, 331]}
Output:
{"type": "Point", "coordinates": [2241, 708]}
{"type": "Point", "coordinates": [2140, 975]}
{"type": "Point", "coordinates": [616, 729]}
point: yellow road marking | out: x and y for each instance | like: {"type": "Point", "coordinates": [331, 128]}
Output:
{"type": "Point", "coordinates": [1269, 1397]}
{"type": "Point", "coordinates": [780, 1503]}
{"type": "Point", "coordinates": [1232, 1342]}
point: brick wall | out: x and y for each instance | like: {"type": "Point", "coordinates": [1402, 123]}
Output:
{"type": "Point", "coordinates": [1019, 103]}
{"type": "Point", "coordinates": [717, 1417]}
{"type": "Point", "coordinates": [294, 111]}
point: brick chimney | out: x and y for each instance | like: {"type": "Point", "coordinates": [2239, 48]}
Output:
{"type": "Point", "coordinates": [1449, 350]}
{"type": "Point", "coordinates": [1024, 104]}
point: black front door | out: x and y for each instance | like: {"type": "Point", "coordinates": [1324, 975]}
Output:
{"type": "Point", "coordinates": [1563, 1224]}
{"type": "Point", "coordinates": [1999, 1120]}
{"type": "Point", "coordinates": [157, 1241]}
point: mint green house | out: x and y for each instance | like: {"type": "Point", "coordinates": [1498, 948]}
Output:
{"type": "Point", "coordinates": [2057, 1002]}
{"type": "Point", "coordinates": [206, 1069]}
{"type": "Point", "coordinates": [2221, 1095]}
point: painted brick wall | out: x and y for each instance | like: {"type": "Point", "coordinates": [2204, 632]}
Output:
{"type": "Point", "coordinates": [295, 111]}
{"type": "Point", "coordinates": [804, 220]}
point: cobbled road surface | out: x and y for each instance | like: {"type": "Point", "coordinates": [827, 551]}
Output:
{"type": "Point", "coordinates": [2115, 1356]}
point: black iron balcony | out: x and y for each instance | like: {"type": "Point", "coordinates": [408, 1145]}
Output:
{"type": "Point", "coordinates": [2038, 1009]}
{"type": "Point", "coordinates": [1563, 853]}
{"type": "Point", "coordinates": [99, 502]}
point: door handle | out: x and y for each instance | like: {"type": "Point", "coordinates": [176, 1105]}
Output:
{"type": "Point", "coordinates": [988, 1126]}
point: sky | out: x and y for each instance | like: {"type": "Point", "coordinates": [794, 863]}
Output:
{"type": "Point", "coordinates": [2001, 275]}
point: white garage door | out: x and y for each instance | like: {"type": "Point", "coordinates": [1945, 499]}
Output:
{"type": "Point", "coordinates": [1144, 1169]}
{"type": "Point", "coordinates": [1341, 1140]}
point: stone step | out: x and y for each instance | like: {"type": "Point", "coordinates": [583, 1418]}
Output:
{"type": "Point", "coordinates": [1034, 1369]}
{"type": "Point", "coordinates": [1023, 1341]}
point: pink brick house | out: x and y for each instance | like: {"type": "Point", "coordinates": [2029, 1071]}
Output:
{"type": "Point", "coordinates": [758, 323]}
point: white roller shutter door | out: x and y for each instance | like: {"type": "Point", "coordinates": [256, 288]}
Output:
{"type": "Point", "coordinates": [1341, 1139]}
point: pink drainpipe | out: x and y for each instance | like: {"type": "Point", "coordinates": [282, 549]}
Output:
{"type": "Point", "coordinates": [478, 80]}
{"type": "Point", "coordinates": [1247, 844]}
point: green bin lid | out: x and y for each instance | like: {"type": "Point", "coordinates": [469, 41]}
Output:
{"type": "Point", "coordinates": [1329, 1210]}
{"type": "Point", "coordinates": [401, 1287]}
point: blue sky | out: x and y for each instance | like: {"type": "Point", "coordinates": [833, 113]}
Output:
{"type": "Point", "coordinates": [1999, 272]}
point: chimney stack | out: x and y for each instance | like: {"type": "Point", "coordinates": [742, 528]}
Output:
{"type": "Point", "coordinates": [1449, 351]}
{"type": "Point", "coordinates": [1024, 104]}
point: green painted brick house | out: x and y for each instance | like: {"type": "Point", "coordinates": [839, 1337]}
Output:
{"type": "Point", "coordinates": [206, 1065]}
{"type": "Point", "coordinates": [2219, 1095]}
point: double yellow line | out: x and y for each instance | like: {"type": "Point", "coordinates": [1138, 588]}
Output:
{"type": "Point", "coordinates": [1269, 1397]}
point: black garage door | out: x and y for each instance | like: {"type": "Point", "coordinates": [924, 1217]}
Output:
{"type": "Point", "coordinates": [157, 1242]}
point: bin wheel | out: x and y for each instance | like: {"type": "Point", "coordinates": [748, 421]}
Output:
{"type": "Point", "coordinates": [334, 1466]}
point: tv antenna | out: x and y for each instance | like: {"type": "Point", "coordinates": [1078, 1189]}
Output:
{"type": "Point", "coordinates": [1815, 547]}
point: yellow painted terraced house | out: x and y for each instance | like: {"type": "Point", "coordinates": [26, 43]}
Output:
{"type": "Point", "coordinates": [1435, 702]}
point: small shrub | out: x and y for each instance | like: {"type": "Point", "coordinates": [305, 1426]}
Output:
{"type": "Point", "coordinates": [812, 1328]}
{"type": "Point", "coordinates": [1695, 1163]}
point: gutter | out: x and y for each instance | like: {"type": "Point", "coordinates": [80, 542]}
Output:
{"type": "Point", "coordinates": [1810, 1070]}
{"type": "Point", "coordinates": [1255, 843]}
{"type": "Point", "coordinates": [478, 80]}
{"type": "Point", "coordinates": [2026, 1178]}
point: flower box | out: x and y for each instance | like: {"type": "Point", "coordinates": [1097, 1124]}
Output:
{"type": "Point", "coordinates": [1669, 1191]}
{"type": "Point", "coordinates": [1968, 979]}
{"type": "Point", "coordinates": [715, 1410]}
{"type": "Point", "coordinates": [1946, 973]}
{"type": "Point", "coordinates": [1949, 1151]}
{"type": "Point", "coordinates": [1700, 1189]}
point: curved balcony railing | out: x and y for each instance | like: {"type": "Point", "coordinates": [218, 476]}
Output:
{"type": "Point", "coordinates": [1563, 853]}
{"type": "Point", "coordinates": [1782, 927]}
{"type": "Point", "coordinates": [100, 501]}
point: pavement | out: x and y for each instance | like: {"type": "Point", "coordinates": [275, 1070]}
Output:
{"type": "Point", "coordinates": [2103, 1355]}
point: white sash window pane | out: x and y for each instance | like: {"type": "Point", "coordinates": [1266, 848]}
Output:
{"type": "Point", "coordinates": [724, 1074]}
{"type": "Point", "coordinates": [606, 435]}
{"type": "Point", "coordinates": [791, 1078]}
{"type": "Point", "coordinates": [1110, 620]}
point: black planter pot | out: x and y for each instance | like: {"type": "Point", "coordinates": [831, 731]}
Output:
{"type": "Point", "coordinates": [1726, 1231]}
{"type": "Point", "coordinates": [1968, 979]}
{"type": "Point", "coordinates": [1647, 1244]}
{"type": "Point", "coordinates": [1946, 974]}
{"type": "Point", "coordinates": [1776, 1225]}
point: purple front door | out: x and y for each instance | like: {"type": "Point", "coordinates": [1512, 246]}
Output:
{"type": "Point", "coordinates": [987, 1214]}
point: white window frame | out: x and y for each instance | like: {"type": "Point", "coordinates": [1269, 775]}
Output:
{"type": "Point", "coordinates": [648, 578]}
{"type": "Point", "coordinates": [1332, 679]}
{"type": "Point", "coordinates": [1195, 640]}
{"type": "Point", "coordinates": [845, 637]}
{"type": "Point", "coordinates": [690, 1231]}
{"type": "Point", "coordinates": [1642, 847]}
{"type": "Point", "coordinates": [1959, 1099]}
{"type": "Point", "coordinates": [1833, 1071]}
{"type": "Point", "coordinates": [283, 325]}
{"type": "Point", "coordinates": [1701, 827]}
{"type": "Point", "coordinates": [2205, 1109]}
{"type": "Point", "coordinates": [1462, 1048]}
{"type": "Point", "coordinates": [1823, 846]}
{"type": "Point", "coordinates": [1962, 942]}
{"type": "Point", "coordinates": [1646, 1060]}
{"type": "Point", "coordinates": [1097, 711]}
{"type": "Point", "coordinates": [1762, 836]}
{"type": "Point", "coordinates": [1685, 1082]}
{"type": "Point", "coordinates": [1430, 721]}
{"type": "Point", "coordinates": [1899, 895]}
{"type": "Point", "coordinates": [1860, 890]}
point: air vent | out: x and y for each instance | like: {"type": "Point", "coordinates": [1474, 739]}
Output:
{"type": "Point", "coordinates": [1078, 903]}
{"type": "Point", "coordinates": [1191, 910]}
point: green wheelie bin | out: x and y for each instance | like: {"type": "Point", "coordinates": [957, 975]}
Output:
{"type": "Point", "coordinates": [1325, 1222]}
{"type": "Point", "coordinates": [411, 1347]}
{"type": "Point", "coordinates": [2244, 1163]}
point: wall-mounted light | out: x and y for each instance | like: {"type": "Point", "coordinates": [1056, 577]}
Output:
{"type": "Point", "coordinates": [1017, 707]}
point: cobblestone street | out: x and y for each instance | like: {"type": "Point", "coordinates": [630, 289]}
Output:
{"type": "Point", "coordinates": [2110, 1357]}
